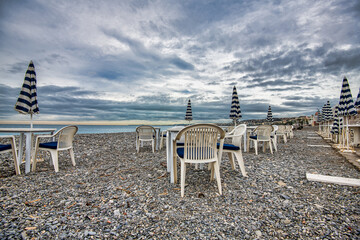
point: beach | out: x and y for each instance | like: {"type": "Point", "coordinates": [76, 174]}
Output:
{"type": "Point", "coordinates": [115, 193]}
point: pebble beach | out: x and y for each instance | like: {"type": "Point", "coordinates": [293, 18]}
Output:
{"type": "Point", "coordinates": [115, 193]}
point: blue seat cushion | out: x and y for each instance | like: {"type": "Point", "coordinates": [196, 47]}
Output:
{"type": "Point", "coordinates": [51, 145]}
{"type": "Point", "coordinates": [253, 137]}
{"type": "Point", "coordinates": [4, 147]}
{"type": "Point", "coordinates": [180, 152]}
{"type": "Point", "coordinates": [230, 147]}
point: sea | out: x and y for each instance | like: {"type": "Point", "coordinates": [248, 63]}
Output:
{"type": "Point", "coordinates": [87, 129]}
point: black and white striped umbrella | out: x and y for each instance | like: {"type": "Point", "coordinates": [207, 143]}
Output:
{"type": "Point", "coordinates": [346, 104]}
{"type": "Point", "coordinates": [328, 114]}
{"type": "Point", "coordinates": [346, 109]}
{"type": "Point", "coordinates": [269, 115]}
{"type": "Point", "coordinates": [188, 115]}
{"type": "Point", "coordinates": [335, 126]}
{"type": "Point", "coordinates": [357, 102]}
{"type": "Point", "coordinates": [27, 101]}
{"type": "Point", "coordinates": [235, 112]}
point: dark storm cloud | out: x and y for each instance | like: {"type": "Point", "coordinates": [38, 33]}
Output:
{"type": "Point", "coordinates": [119, 60]}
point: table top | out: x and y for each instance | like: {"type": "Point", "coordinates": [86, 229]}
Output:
{"type": "Point", "coordinates": [22, 130]}
{"type": "Point", "coordinates": [176, 128]}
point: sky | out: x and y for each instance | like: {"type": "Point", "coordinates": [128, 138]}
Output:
{"type": "Point", "coordinates": [140, 60]}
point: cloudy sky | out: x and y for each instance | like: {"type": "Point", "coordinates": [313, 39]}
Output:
{"type": "Point", "coordinates": [142, 60]}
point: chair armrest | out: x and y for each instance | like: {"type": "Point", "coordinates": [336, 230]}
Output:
{"type": "Point", "coordinates": [232, 136]}
{"type": "Point", "coordinates": [7, 136]}
{"type": "Point", "coordinates": [44, 136]}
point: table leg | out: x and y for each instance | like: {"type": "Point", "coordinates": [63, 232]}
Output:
{"type": "Point", "coordinates": [157, 139]}
{"type": "Point", "coordinates": [21, 146]}
{"type": "Point", "coordinates": [28, 152]}
{"type": "Point", "coordinates": [169, 149]}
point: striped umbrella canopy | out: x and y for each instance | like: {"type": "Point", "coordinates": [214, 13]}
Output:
{"type": "Point", "coordinates": [188, 115]}
{"type": "Point", "coordinates": [328, 112]}
{"type": "Point", "coordinates": [27, 101]}
{"type": "Point", "coordinates": [235, 112]}
{"type": "Point", "coordinates": [269, 115]}
{"type": "Point", "coordinates": [335, 126]}
{"type": "Point", "coordinates": [346, 109]}
{"type": "Point", "coordinates": [357, 102]}
{"type": "Point", "coordinates": [346, 104]}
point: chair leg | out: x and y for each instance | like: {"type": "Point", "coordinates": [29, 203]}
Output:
{"type": "Point", "coordinates": [183, 173]}
{"type": "Point", "coordinates": [256, 147]}
{"type": "Point", "coordinates": [138, 146]}
{"type": "Point", "coordinates": [175, 166]}
{"type": "Point", "coordinates": [16, 164]}
{"type": "Point", "coordinates": [271, 150]}
{"type": "Point", "coordinates": [285, 139]}
{"type": "Point", "coordinates": [72, 156]}
{"type": "Point", "coordinates": [240, 160]}
{"type": "Point", "coordinates": [54, 157]}
{"type": "Point", "coordinates": [153, 145]}
{"type": "Point", "coordinates": [34, 160]}
{"type": "Point", "coordinates": [211, 166]}
{"type": "Point", "coordinates": [232, 162]}
{"type": "Point", "coordinates": [218, 179]}
{"type": "Point", "coordinates": [275, 143]}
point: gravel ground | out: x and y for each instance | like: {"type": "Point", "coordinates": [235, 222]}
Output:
{"type": "Point", "coordinates": [115, 193]}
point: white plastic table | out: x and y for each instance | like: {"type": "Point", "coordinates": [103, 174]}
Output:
{"type": "Point", "coordinates": [28, 147]}
{"type": "Point", "coordinates": [170, 136]}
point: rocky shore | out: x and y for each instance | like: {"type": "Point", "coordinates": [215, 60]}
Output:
{"type": "Point", "coordinates": [116, 193]}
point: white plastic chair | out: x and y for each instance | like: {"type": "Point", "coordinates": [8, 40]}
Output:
{"type": "Point", "coordinates": [289, 131]}
{"type": "Point", "coordinates": [263, 134]}
{"type": "Point", "coordinates": [145, 134]}
{"type": "Point", "coordinates": [162, 139]}
{"type": "Point", "coordinates": [274, 137]}
{"type": "Point", "coordinates": [235, 147]}
{"type": "Point", "coordinates": [199, 146]}
{"type": "Point", "coordinates": [281, 132]}
{"type": "Point", "coordinates": [4, 148]}
{"type": "Point", "coordinates": [64, 142]}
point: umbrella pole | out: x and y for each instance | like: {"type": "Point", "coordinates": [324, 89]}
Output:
{"type": "Point", "coordinates": [347, 147]}
{"type": "Point", "coordinates": [31, 123]}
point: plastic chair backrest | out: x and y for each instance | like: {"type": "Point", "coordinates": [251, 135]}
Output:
{"type": "Point", "coordinates": [275, 129]}
{"type": "Point", "coordinates": [200, 141]}
{"type": "Point", "coordinates": [263, 132]}
{"type": "Point", "coordinates": [146, 132]}
{"type": "Point", "coordinates": [281, 129]}
{"type": "Point", "coordinates": [239, 130]}
{"type": "Point", "coordinates": [66, 136]}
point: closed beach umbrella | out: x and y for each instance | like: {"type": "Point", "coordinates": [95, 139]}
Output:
{"type": "Point", "coordinates": [269, 115]}
{"type": "Point", "coordinates": [335, 126]}
{"type": "Point", "coordinates": [235, 112]}
{"type": "Point", "coordinates": [328, 117]}
{"type": "Point", "coordinates": [27, 101]}
{"type": "Point", "coordinates": [188, 115]}
{"type": "Point", "coordinates": [357, 102]}
{"type": "Point", "coordinates": [346, 108]}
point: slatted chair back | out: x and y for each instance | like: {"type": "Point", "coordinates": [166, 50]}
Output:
{"type": "Point", "coordinates": [238, 131]}
{"type": "Point", "coordinates": [200, 142]}
{"type": "Point", "coordinates": [66, 137]}
{"type": "Point", "coordinates": [263, 132]}
{"type": "Point", "coordinates": [281, 130]}
{"type": "Point", "coordinates": [146, 132]}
